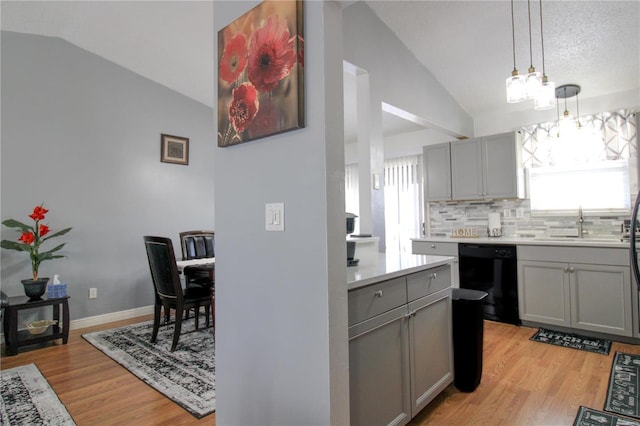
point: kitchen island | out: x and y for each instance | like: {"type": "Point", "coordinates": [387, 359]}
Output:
{"type": "Point", "coordinates": [400, 343]}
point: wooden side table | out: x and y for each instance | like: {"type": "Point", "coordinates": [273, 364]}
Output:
{"type": "Point", "coordinates": [15, 339]}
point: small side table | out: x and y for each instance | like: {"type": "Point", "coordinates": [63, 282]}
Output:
{"type": "Point", "coordinates": [14, 338]}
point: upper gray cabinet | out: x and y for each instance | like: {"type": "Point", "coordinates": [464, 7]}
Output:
{"type": "Point", "coordinates": [437, 172]}
{"type": "Point", "coordinates": [473, 169]}
{"type": "Point", "coordinates": [486, 168]}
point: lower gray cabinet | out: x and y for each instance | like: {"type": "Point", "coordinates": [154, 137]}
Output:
{"type": "Point", "coordinates": [581, 295]}
{"type": "Point", "coordinates": [543, 292]}
{"type": "Point", "coordinates": [379, 370]}
{"type": "Point", "coordinates": [401, 359]}
{"type": "Point", "coordinates": [431, 348]}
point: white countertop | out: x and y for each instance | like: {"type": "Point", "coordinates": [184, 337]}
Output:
{"type": "Point", "coordinates": [549, 241]}
{"type": "Point", "coordinates": [388, 267]}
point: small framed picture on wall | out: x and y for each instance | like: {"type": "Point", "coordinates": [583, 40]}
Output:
{"type": "Point", "coordinates": [174, 149]}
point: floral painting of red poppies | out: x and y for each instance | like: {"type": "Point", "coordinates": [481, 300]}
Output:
{"type": "Point", "coordinates": [261, 73]}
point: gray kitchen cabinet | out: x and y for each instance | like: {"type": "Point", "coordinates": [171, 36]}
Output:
{"type": "Point", "coordinates": [431, 350]}
{"type": "Point", "coordinates": [582, 293]}
{"type": "Point", "coordinates": [437, 172]}
{"type": "Point", "coordinates": [400, 357]}
{"type": "Point", "coordinates": [486, 167]}
{"type": "Point", "coordinates": [379, 370]}
{"type": "Point", "coordinates": [601, 298]}
{"type": "Point", "coordinates": [439, 248]}
{"type": "Point", "coordinates": [543, 292]}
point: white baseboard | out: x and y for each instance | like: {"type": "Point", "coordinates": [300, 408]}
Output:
{"type": "Point", "coordinates": [110, 317]}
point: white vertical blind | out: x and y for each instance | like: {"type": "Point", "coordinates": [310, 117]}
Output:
{"type": "Point", "coordinates": [403, 202]}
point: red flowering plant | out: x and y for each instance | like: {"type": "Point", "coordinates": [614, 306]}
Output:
{"type": "Point", "coordinates": [32, 236]}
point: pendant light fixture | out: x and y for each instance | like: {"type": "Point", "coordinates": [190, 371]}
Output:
{"type": "Point", "coordinates": [516, 84]}
{"type": "Point", "coordinates": [567, 124]}
{"type": "Point", "coordinates": [546, 98]}
{"type": "Point", "coordinates": [534, 78]}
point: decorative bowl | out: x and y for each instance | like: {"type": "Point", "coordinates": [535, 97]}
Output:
{"type": "Point", "coordinates": [39, 327]}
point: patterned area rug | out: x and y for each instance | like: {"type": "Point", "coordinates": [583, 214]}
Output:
{"type": "Point", "coordinates": [590, 417]}
{"type": "Point", "coordinates": [28, 399]}
{"type": "Point", "coordinates": [574, 341]}
{"type": "Point", "coordinates": [186, 376]}
{"type": "Point", "coordinates": [623, 396]}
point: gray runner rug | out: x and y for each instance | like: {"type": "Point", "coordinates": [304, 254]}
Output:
{"type": "Point", "coordinates": [590, 417]}
{"type": "Point", "coordinates": [573, 341]}
{"type": "Point", "coordinates": [28, 399]}
{"type": "Point", "coordinates": [186, 376]}
{"type": "Point", "coordinates": [623, 396]}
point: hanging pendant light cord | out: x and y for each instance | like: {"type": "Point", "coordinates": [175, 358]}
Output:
{"type": "Point", "coordinates": [544, 73]}
{"type": "Point", "coordinates": [530, 48]}
{"type": "Point", "coordinates": [513, 37]}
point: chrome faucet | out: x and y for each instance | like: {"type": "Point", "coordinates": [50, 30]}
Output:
{"type": "Point", "coordinates": [581, 230]}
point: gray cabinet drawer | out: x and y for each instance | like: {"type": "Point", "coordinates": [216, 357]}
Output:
{"type": "Point", "coordinates": [426, 282]}
{"type": "Point", "coordinates": [369, 301]}
{"type": "Point", "coordinates": [436, 248]}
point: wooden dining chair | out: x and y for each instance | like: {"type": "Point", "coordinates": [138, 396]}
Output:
{"type": "Point", "coordinates": [169, 293]}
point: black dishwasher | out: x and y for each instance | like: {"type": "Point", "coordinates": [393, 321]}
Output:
{"type": "Point", "coordinates": [492, 268]}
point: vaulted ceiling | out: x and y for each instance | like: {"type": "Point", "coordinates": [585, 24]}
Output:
{"type": "Point", "coordinates": [466, 45]}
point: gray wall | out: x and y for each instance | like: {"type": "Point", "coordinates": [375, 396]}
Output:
{"type": "Point", "coordinates": [398, 78]}
{"type": "Point", "coordinates": [82, 135]}
{"type": "Point", "coordinates": [281, 309]}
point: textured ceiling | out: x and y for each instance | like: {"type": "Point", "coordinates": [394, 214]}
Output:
{"type": "Point", "coordinates": [465, 44]}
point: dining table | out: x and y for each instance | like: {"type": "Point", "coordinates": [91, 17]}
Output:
{"type": "Point", "coordinates": [195, 266]}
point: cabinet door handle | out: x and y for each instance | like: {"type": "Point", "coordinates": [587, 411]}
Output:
{"type": "Point", "coordinates": [572, 270]}
{"type": "Point", "coordinates": [433, 246]}
{"type": "Point", "coordinates": [410, 314]}
{"type": "Point", "coordinates": [565, 269]}
{"type": "Point", "coordinates": [433, 276]}
{"type": "Point", "coordinates": [378, 293]}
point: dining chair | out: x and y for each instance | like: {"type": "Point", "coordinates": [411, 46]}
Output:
{"type": "Point", "coordinates": [169, 293]}
{"type": "Point", "coordinates": [199, 245]}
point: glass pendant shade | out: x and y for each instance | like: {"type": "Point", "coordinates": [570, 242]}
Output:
{"type": "Point", "coordinates": [533, 83]}
{"type": "Point", "coordinates": [567, 126]}
{"type": "Point", "coordinates": [516, 88]}
{"type": "Point", "coordinates": [546, 98]}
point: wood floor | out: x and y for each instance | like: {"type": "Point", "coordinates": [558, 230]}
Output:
{"type": "Point", "coordinates": [523, 383]}
{"type": "Point", "coordinates": [98, 391]}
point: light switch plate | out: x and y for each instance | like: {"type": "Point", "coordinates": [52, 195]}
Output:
{"type": "Point", "coordinates": [274, 216]}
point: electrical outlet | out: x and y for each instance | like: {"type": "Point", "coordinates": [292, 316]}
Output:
{"type": "Point", "coordinates": [93, 293]}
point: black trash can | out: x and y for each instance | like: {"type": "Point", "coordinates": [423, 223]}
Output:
{"type": "Point", "coordinates": [468, 334]}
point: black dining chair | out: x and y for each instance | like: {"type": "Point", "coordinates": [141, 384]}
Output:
{"type": "Point", "coordinates": [169, 293]}
{"type": "Point", "coordinates": [199, 245]}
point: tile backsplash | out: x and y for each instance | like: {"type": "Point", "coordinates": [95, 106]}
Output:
{"type": "Point", "coordinates": [516, 220]}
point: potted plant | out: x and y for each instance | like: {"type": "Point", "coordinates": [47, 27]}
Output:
{"type": "Point", "coordinates": [30, 240]}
